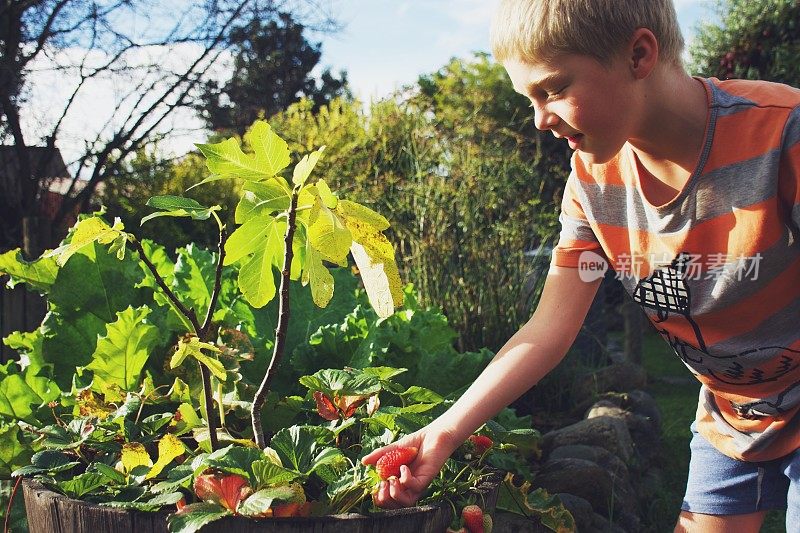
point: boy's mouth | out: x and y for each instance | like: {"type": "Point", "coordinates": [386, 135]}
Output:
{"type": "Point", "coordinates": [574, 140]}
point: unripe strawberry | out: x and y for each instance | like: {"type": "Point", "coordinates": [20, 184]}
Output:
{"type": "Point", "coordinates": [389, 464]}
{"type": "Point", "coordinates": [488, 524]}
{"type": "Point", "coordinates": [225, 489]}
{"type": "Point", "coordinates": [472, 515]}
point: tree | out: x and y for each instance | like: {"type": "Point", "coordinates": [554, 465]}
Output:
{"type": "Point", "coordinates": [157, 54]}
{"type": "Point", "coordinates": [272, 67]}
{"type": "Point", "coordinates": [755, 40]}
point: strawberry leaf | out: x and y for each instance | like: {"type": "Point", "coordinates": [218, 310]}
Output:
{"type": "Point", "coordinates": [194, 516]}
{"type": "Point", "coordinates": [265, 472]}
{"type": "Point", "coordinates": [304, 448]}
{"type": "Point", "coordinates": [258, 502]}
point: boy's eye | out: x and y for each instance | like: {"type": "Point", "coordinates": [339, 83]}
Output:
{"type": "Point", "coordinates": [551, 94]}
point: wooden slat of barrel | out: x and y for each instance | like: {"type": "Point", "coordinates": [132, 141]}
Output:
{"type": "Point", "coordinates": [50, 512]}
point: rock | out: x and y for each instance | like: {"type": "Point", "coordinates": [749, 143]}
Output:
{"type": "Point", "coordinates": [580, 509]}
{"type": "Point", "coordinates": [636, 401]}
{"type": "Point", "coordinates": [622, 498]}
{"type": "Point", "coordinates": [618, 377]}
{"type": "Point", "coordinates": [578, 477]}
{"type": "Point", "coordinates": [604, 431]}
{"type": "Point", "coordinates": [595, 454]}
{"type": "Point", "coordinates": [645, 405]}
{"type": "Point", "coordinates": [644, 433]}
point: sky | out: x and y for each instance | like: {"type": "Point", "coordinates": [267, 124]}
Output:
{"type": "Point", "coordinates": [388, 43]}
{"type": "Point", "coordinates": [383, 45]}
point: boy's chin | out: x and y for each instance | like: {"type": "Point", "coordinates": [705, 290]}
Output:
{"type": "Point", "coordinates": [596, 157]}
{"type": "Point", "coordinates": [593, 158]}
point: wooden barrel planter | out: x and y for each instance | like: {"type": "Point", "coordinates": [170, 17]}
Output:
{"type": "Point", "coordinates": [51, 512]}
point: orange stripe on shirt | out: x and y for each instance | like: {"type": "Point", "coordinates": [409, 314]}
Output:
{"type": "Point", "coordinates": [754, 125]}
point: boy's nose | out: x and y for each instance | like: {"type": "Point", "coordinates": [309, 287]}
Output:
{"type": "Point", "coordinates": [544, 119]}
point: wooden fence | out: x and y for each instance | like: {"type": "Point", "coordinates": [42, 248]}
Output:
{"type": "Point", "coordinates": [20, 310]}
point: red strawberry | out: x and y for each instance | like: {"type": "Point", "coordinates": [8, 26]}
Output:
{"type": "Point", "coordinates": [473, 518]}
{"type": "Point", "coordinates": [389, 464]}
{"type": "Point", "coordinates": [180, 504]}
{"type": "Point", "coordinates": [225, 489]}
{"type": "Point", "coordinates": [481, 443]}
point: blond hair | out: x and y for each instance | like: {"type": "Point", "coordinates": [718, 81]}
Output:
{"type": "Point", "coordinates": [536, 30]}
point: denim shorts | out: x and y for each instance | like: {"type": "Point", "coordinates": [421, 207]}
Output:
{"type": "Point", "coordinates": [720, 485]}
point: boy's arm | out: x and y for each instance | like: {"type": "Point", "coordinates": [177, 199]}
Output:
{"type": "Point", "coordinates": [527, 357]}
{"type": "Point", "coordinates": [530, 354]}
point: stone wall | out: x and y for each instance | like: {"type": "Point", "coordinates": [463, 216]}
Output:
{"type": "Point", "coordinates": [604, 467]}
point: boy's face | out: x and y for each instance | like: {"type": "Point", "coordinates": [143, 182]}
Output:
{"type": "Point", "coordinates": [579, 99]}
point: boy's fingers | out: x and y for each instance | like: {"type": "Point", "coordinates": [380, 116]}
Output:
{"type": "Point", "coordinates": [399, 495]}
{"type": "Point", "coordinates": [411, 482]}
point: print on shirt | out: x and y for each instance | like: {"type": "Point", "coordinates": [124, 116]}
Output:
{"type": "Point", "coordinates": [667, 292]}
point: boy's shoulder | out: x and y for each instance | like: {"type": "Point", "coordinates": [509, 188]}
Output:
{"type": "Point", "coordinates": [735, 92]}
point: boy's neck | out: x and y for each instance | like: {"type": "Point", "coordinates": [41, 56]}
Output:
{"type": "Point", "coordinates": [671, 132]}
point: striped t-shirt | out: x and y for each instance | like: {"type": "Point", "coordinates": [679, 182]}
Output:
{"type": "Point", "coordinates": [717, 268]}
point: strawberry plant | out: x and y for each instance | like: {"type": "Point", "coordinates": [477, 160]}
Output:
{"type": "Point", "coordinates": [158, 382]}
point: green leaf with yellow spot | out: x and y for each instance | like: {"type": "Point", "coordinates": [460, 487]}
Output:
{"type": "Point", "coordinates": [134, 454]}
{"type": "Point", "coordinates": [355, 211]}
{"type": "Point", "coordinates": [317, 274]}
{"type": "Point", "coordinates": [169, 447]}
{"type": "Point", "coordinates": [374, 257]}
{"type": "Point", "coordinates": [328, 234]}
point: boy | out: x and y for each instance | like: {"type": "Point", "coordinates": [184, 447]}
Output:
{"type": "Point", "coordinates": [690, 189]}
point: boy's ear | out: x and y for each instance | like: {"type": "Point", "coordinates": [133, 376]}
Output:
{"type": "Point", "coordinates": [642, 53]}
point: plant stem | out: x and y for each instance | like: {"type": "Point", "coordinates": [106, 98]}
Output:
{"type": "Point", "coordinates": [283, 323]}
{"type": "Point", "coordinates": [188, 313]}
{"type": "Point", "coordinates": [223, 236]}
{"type": "Point", "coordinates": [208, 403]}
{"type": "Point", "coordinates": [205, 374]}
{"type": "Point", "coordinates": [10, 503]}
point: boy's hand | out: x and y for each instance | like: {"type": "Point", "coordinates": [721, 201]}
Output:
{"type": "Point", "coordinates": [433, 450]}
